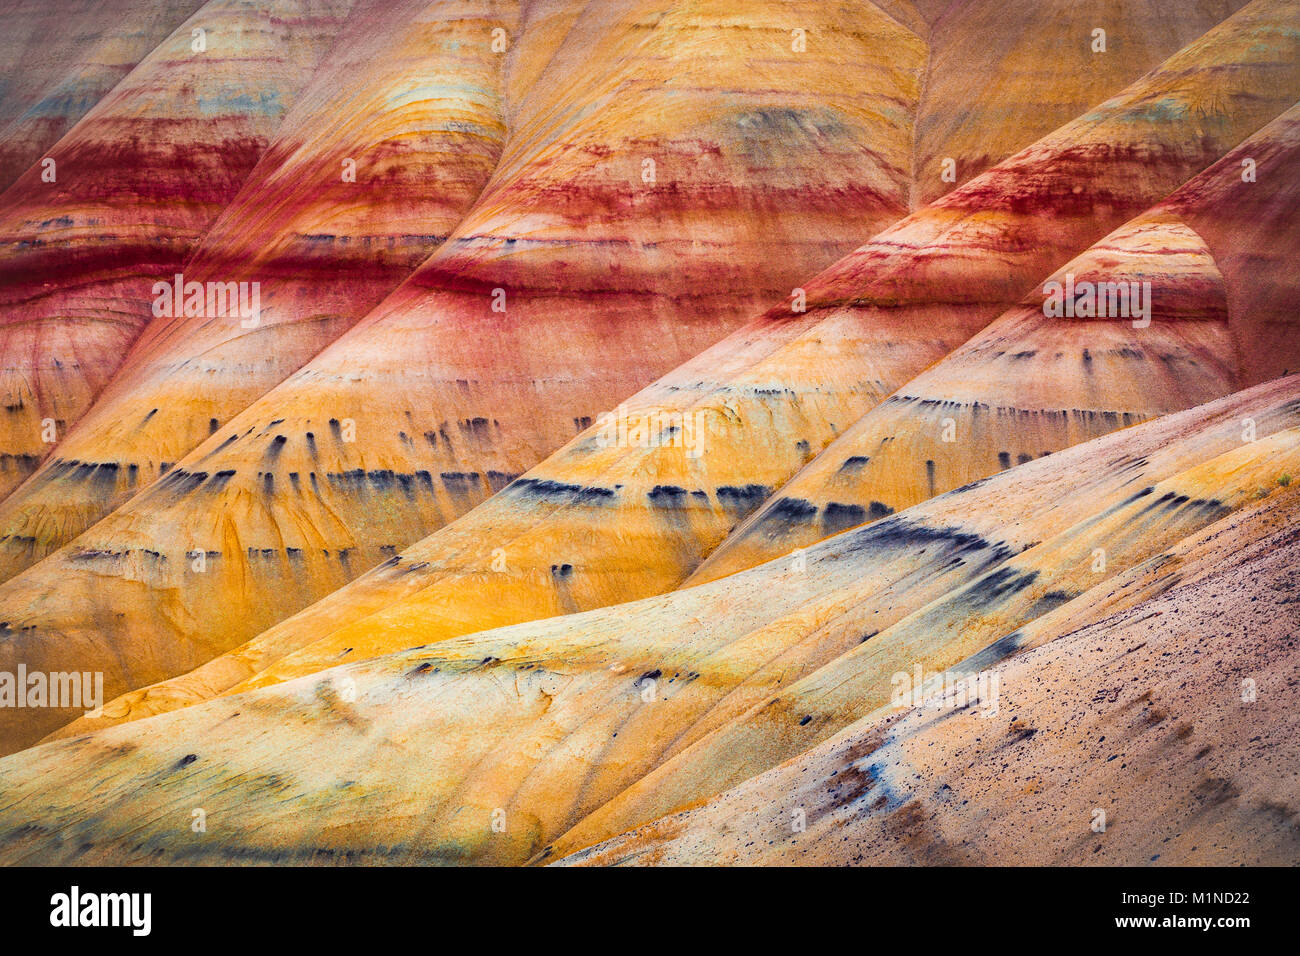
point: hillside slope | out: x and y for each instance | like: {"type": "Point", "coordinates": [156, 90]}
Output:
{"type": "Point", "coordinates": [412, 96]}
{"type": "Point", "coordinates": [554, 722]}
{"type": "Point", "coordinates": [1174, 715]}
{"type": "Point", "coordinates": [612, 517]}
{"type": "Point", "coordinates": [1031, 384]}
{"type": "Point", "coordinates": [136, 183]}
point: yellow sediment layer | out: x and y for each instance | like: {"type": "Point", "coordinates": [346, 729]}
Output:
{"type": "Point", "coordinates": [592, 724]}
{"type": "Point", "coordinates": [1159, 697]}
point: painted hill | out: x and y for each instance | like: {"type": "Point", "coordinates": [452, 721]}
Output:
{"type": "Point", "coordinates": [610, 519]}
{"type": "Point", "coordinates": [661, 431]}
{"type": "Point", "coordinates": [136, 183]}
{"type": "Point", "coordinates": [1031, 384]}
{"type": "Point", "coordinates": [325, 241]}
{"type": "Point", "coordinates": [662, 703]}
{"type": "Point", "coordinates": [302, 507]}
{"type": "Point", "coordinates": [1142, 710]}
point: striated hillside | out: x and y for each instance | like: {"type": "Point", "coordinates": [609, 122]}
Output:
{"type": "Point", "coordinates": [411, 93]}
{"type": "Point", "coordinates": [656, 432]}
{"type": "Point", "coordinates": [661, 703]}
{"type": "Point", "coordinates": [134, 185]}
{"type": "Point", "coordinates": [1131, 699]}
{"type": "Point", "coordinates": [612, 518]}
{"type": "Point", "coordinates": [413, 416]}
{"type": "Point", "coordinates": [1031, 384]}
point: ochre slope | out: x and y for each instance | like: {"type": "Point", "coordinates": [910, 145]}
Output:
{"type": "Point", "coordinates": [762, 725]}
{"type": "Point", "coordinates": [60, 57]}
{"type": "Point", "coordinates": [551, 721]}
{"type": "Point", "coordinates": [1030, 384]}
{"type": "Point", "coordinates": [1135, 702]}
{"type": "Point", "coordinates": [610, 276]}
{"type": "Point", "coordinates": [137, 182]}
{"type": "Point", "coordinates": [412, 95]}
{"type": "Point", "coordinates": [601, 522]}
